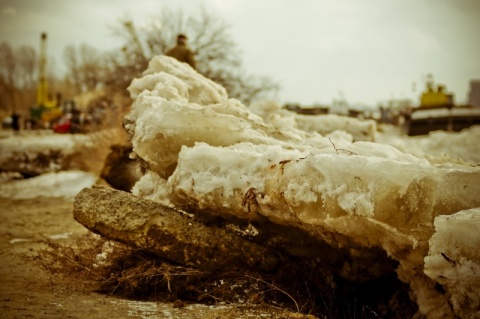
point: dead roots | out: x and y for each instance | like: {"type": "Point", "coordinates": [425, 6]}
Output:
{"type": "Point", "coordinates": [117, 269]}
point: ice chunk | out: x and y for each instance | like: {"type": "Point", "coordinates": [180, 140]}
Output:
{"type": "Point", "coordinates": [200, 90]}
{"type": "Point", "coordinates": [324, 124]}
{"type": "Point", "coordinates": [295, 185]}
{"type": "Point", "coordinates": [153, 187]}
{"type": "Point", "coordinates": [439, 146]}
{"type": "Point", "coordinates": [453, 259]}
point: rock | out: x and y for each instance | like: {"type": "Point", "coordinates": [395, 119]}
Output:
{"type": "Point", "coordinates": [166, 233]}
{"type": "Point", "coordinates": [200, 243]}
{"type": "Point", "coordinates": [300, 259]}
{"type": "Point", "coordinates": [120, 171]}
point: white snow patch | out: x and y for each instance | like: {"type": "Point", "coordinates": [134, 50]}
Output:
{"type": "Point", "coordinates": [18, 240]}
{"type": "Point", "coordinates": [66, 184]}
{"type": "Point", "coordinates": [60, 236]}
{"type": "Point", "coordinates": [454, 258]}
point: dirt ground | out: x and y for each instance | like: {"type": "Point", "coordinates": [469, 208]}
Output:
{"type": "Point", "coordinates": [29, 291]}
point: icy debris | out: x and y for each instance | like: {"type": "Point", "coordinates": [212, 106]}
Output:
{"type": "Point", "coordinates": [18, 240]}
{"type": "Point", "coordinates": [62, 184]}
{"type": "Point", "coordinates": [178, 80]}
{"type": "Point", "coordinates": [439, 146]}
{"type": "Point", "coordinates": [32, 154]}
{"type": "Point", "coordinates": [283, 119]}
{"type": "Point", "coordinates": [153, 187]}
{"type": "Point", "coordinates": [453, 259]}
{"type": "Point", "coordinates": [219, 158]}
{"type": "Point", "coordinates": [361, 130]}
{"type": "Point", "coordinates": [400, 191]}
{"type": "Point", "coordinates": [101, 259]}
{"type": "Point", "coordinates": [60, 236]}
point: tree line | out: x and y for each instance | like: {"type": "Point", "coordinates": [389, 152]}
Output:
{"type": "Point", "coordinates": [89, 69]}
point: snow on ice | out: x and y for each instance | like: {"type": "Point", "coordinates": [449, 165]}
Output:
{"type": "Point", "coordinates": [453, 259]}
{"type": "Point", "coordinates": [208, 152]}
{"type": "Point", "coordinates": [40, 153]}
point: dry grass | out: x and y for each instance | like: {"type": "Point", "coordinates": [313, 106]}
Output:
{"type": "Point", "coordinates": [114, 268]}
{"type": "Point", "coordinates": [80, 259]}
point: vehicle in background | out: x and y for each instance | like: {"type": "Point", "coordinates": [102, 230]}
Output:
{"type": "Point", "coordinates": [437, 111]}
{"type": "Point", "coordinates": [73, 120]}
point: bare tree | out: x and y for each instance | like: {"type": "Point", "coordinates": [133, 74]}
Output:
{"type": "Point", "coordinates": [73, 65]}
{"type": "Point", "coordinates": [217, 56]}
{"type": "Point", "coordinates": [122, 66]}
{"type": "Point", "coordinates": [7, 85]}
{"type": "Point", "coordinates": [18, 77]}
{"type": "Point", "coordinates": [86, 68]}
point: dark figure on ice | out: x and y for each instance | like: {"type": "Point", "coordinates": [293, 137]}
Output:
{"type": "Point", "coordinates": [182, 52]}
{"type": "Point", "coordinates": [15, 122]}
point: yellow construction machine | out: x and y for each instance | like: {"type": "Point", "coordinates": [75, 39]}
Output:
{"type": "Point", "coordinates": [437, 111]}
{"type": "Point", "coordinates": [47, 110]}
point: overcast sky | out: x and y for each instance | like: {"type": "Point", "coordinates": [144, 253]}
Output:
{"type": "Point", "coordinates": [367, 50]}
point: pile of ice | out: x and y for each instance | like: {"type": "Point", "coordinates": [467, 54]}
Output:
{"type": "Point", "coordinates": [206, 152]}
{"type": "Point", "coordinates": [32, 153]}
{"type": "Point", "coordinates": [35, 154]}
{"type": "Point", "coordinates": [58, 165]}
{"type": "Point", "coordinates": [283, 119]}
{"type": "Point", "coordinates": [462, 147]}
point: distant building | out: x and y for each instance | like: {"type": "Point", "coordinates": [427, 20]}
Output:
{"type": "Point", "coordinates": [474, 94]}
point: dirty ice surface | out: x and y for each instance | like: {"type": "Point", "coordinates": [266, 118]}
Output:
{"type": "Point", "coordinates": [30, 143]}
{"type": "Point", "coordinates": [65, 184]}
{"type": "Point", "coordinates": [208, 152]}
{"type": "Point", "coordinates": [16, 149]}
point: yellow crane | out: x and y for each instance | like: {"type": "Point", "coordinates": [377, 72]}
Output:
{"type": "Point", "coordinates": [45, 111]}
{"type": "Point", "coordinates": [42, 90]}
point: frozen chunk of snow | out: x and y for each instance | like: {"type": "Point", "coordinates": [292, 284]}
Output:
{"type": "Point", "coordinates": [439, 146]}
{"type": "Point", "coordinates": [391, 187]}
{"type": "Point", "coordinates": [324, 124]}
{"type": "Point", "coordinates": [193, 86]}
{"type": "Point", "coordinates": [454, 259]}
{"type": "Point", "coordinates": [153, 187]}
{"type": "Point", "coordinates": [361, 130]}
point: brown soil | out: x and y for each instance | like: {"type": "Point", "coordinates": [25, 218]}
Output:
{"type": "Point", "coordinates": [27, 290]}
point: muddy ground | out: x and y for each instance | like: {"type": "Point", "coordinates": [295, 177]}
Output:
{"type": "Point", "coordinates": [27, 290]}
